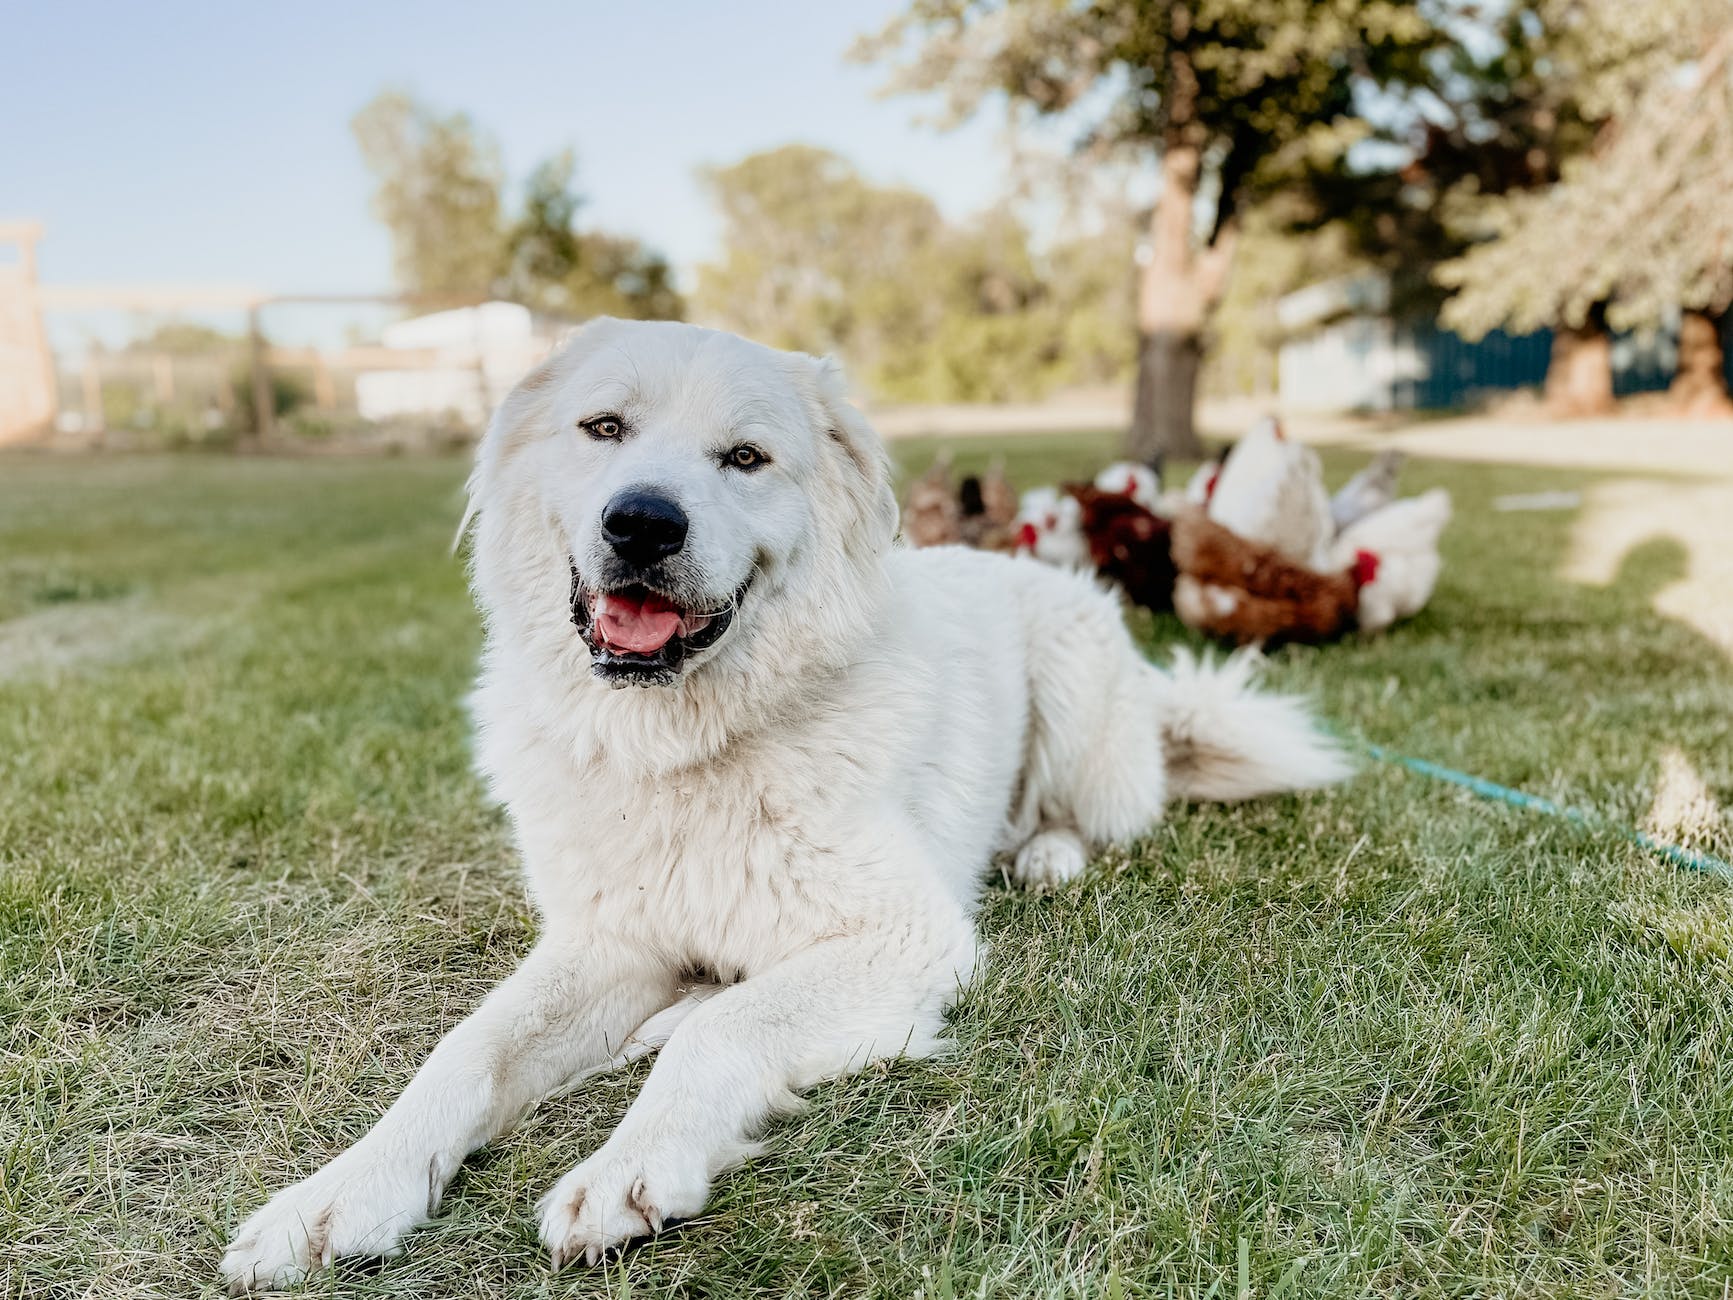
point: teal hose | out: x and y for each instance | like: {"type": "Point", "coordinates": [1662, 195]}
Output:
{"type": "Point", "coordinates": [1678, 855]}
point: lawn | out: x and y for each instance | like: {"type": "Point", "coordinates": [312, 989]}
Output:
{"type": "Point", "coordinates": [1385, 1040]}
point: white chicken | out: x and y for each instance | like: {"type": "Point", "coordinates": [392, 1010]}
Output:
{"type": "Point", "coordinates": [1130, 479]}
{"type": "Point", "coordinates": [1202, 484]}
{"type": "Point", "coordinates": [1394, 552]}
{"type": "Point", "coordinates": [1271, 490]}
{"type": "Point", "coordinates": [1049, 526]}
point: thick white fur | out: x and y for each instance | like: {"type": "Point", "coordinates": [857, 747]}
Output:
{"type": "Point", "coordinates": [808, 814]}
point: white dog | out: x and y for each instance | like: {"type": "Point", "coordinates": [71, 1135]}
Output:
{"type": "Point", "coordinates": [739, 733]}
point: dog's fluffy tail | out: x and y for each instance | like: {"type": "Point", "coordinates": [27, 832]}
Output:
{"type": "Point", "coordinates": [1225, 740]}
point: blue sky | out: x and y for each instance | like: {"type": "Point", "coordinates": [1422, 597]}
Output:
{"type": "Point", "coordinates": [172, 141]}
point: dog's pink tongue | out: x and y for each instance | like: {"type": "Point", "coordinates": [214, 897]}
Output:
{"type": "Point", "coordinates": [637, 626]}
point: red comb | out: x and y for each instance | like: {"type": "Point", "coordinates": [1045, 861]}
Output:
{"type": "Point", "coordinates": [1365, 567]}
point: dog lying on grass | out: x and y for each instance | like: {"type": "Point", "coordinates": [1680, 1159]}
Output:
{"type": "Point", "coordinates": [737, 730]}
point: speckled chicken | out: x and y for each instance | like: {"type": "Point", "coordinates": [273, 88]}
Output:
{"type": "Point", "coordinates": [1371, 489]}
{"type": "Point", "coordinates": [931, 515]}
{"type": "Point", "coordinates": [988, 509]}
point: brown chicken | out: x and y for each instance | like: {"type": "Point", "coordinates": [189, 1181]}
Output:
{"type": "Point", "coordinates": [1247, 592]}
{"type": "Point", "coordinates": [1128, 544]}
{"type": "Point", "coordinates": [931, 516]}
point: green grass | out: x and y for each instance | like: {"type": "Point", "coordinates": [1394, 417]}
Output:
{"type": "Point", "coordinates": [1386, 1040]}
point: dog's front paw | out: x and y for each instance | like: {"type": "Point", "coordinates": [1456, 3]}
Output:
{"type": "Point", "coordinates": [616, 1195]}
{"type": "Point", "coordinates": [356, 1205]}
{"type": "Point", "coordinates": [1049, 860]}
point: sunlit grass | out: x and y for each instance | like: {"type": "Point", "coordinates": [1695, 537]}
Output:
{"type": "Point", "coordinates": [1384, 1040]}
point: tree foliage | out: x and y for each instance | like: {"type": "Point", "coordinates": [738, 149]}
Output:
{"type": "Point", "coordinates": [817, 257]}
{"type": "Point", "coordinates": [439, 187]}
{"type": "Point", "coordinates": [1264, 89]}
{"type": "Point", "coordinates": [1641, 220]}
{"type": "Point", "coordinates": [438, 192]}
{"type": "Point", "coordinates": [553, 267]}
{"type": "Point", "coordinates": [1491, 116]}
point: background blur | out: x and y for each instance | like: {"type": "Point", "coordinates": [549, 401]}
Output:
{"type": "Point", "coordinates": [323, 226]}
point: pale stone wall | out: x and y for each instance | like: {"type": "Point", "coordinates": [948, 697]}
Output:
{"type": "Point", "coordinates": [27, 385]}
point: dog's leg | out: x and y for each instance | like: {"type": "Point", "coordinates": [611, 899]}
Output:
{"type": "Point", "coordinates": [562, 1012]}
{"type": "Point", "coordinates": [1049, 858]}
{"type": "Point", "coordinates": [741, 1057]}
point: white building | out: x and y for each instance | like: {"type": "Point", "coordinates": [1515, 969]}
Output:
{"type": "Point", "coordinates": [458, 363]}
{"type": "Point", "coordinates": [1342, 351]}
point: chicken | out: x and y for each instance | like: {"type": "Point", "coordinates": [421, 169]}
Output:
{"type": "Point", "coordinates": [988, 508]}
{"type": "Point", "coordinates": [1248, 593]}
{"type": "Point", "coordinates": [1175, 501]}
{"type": "Point", "coordinates": [1394, 554]}
{"type": "Point", "coordinates": [1202, 484]}
{"type": "Point", "coordinates": [1129, 479]}
{"type": "Point", "coordinates": [931, 516]}
{"type": "Point", "coordinates": [1129, 544]}
{"type": "Point", "coordinates": [1049, 526]}
{"type": "Point", "coordinates": [1371, 489]}
{"type": "Point", "coordinates": [1271, 490]}
{"type": "Point", "coordinates": [997, 495]}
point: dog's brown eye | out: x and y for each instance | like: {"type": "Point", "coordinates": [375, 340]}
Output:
{"type": "Point", "coordinates": [604, 426]}
{"type": "Point", "coordinates": [745, 457]}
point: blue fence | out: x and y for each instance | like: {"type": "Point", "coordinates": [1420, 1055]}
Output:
{"type": "Point", "coordinates": [1453, 372]}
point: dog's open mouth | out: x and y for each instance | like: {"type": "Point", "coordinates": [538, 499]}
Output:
{"type": "Point", "coordinates": [640, 636]}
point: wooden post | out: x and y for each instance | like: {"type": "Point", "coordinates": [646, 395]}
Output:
{"type": "Point", "coordinates": [264, 401]}
{"type": "Point", "coordinates": [95, 422]}
{"type": "Point", "coordinates": [324, 391]}
{"type": "Point", "coordinates": [225, 387]}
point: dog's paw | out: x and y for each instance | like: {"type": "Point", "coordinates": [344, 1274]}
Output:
{"type": "Point", "coordinates": [355, 1205]}
{"type": "Point", "coordinates": [618, 1194]}
{"type": "Point", "coordinates": [1049, 859]}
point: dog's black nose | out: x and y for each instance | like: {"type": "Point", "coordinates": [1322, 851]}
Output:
{"type": "Point", "coordinates": [644, 526]}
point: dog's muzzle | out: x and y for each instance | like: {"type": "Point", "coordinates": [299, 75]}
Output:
{"type": "Point", "coordinates": [638, 636]}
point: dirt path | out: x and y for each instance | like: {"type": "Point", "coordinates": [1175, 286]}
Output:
{"type": "Point", "coordinates": [1697, 448]}
{"type": "Point", "coordinates": [1621, 515]}
{"type": "Point", "coordinates": [1684, 494]}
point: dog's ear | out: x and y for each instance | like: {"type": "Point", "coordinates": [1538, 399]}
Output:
{"type": "Point", "coordinates": [866, 466]}
{"type": "Point", "coordinates": [518, 417]}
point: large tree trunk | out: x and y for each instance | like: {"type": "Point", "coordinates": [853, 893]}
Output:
{"type": "Point", "coordinates": [1699, 386]}
{"type": "Point", "coordinates": [1162, 410]}
{"type": "Point", "coordinates": [1179, 289]}
{"type": "Point", "coordinates": [1579, 374]}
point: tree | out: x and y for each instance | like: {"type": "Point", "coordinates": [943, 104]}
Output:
{"type": "Point", "coordinates": [438, 192]}
{"type": "Point", "coordinates": [819, 258]}
{"type": "Point", "coordinates": [542, 250]}
{"type": "Point", "coordinates": [439, 187]}
{"type": "Point", "coordinates": [553, 267]}
{"type": "Point", "coordinates": [1235, 100]}
{"type": "Point", "coordinates": [1638, 223]}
